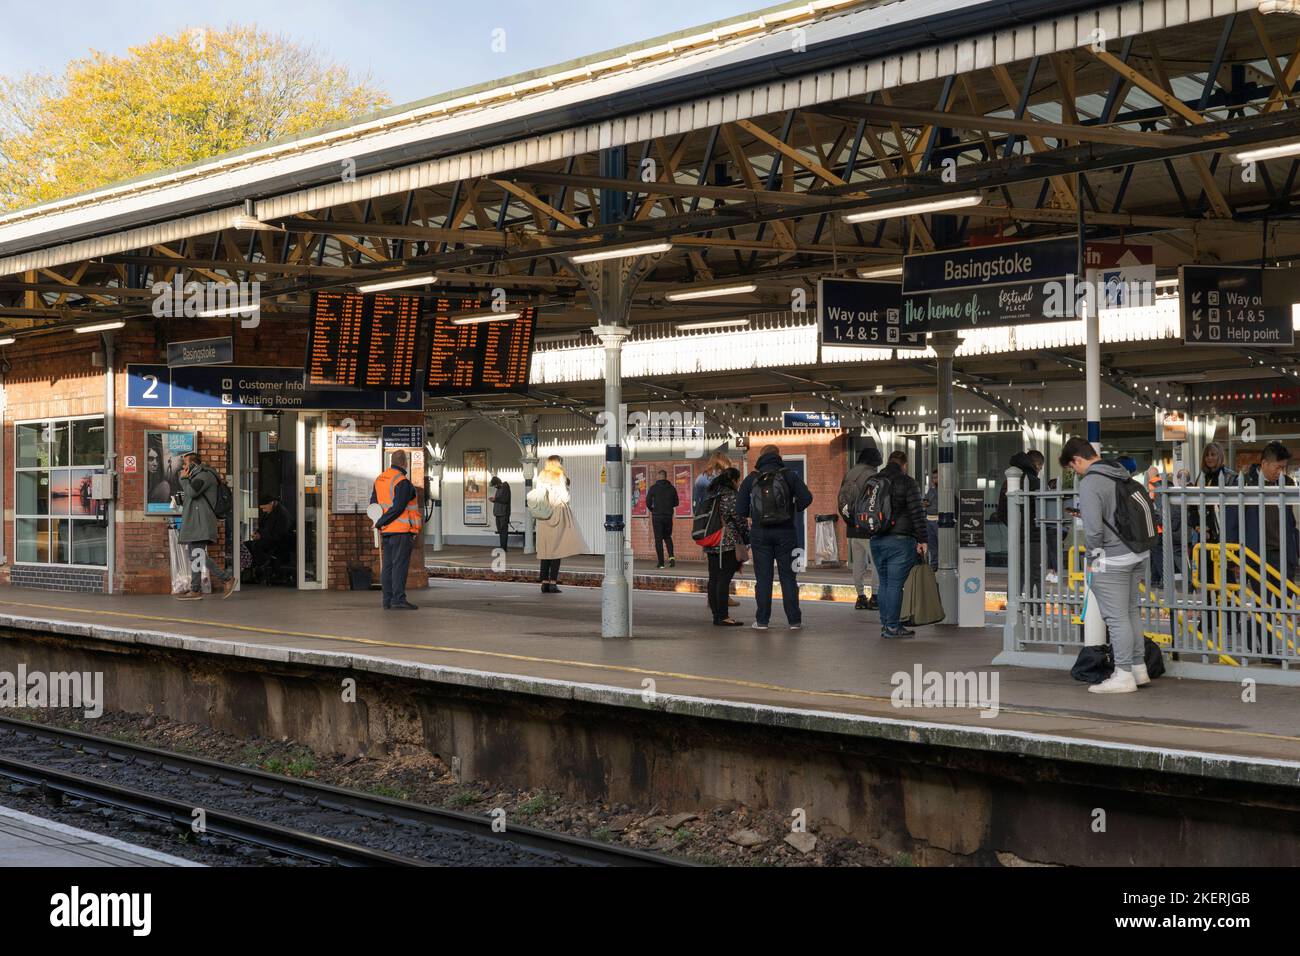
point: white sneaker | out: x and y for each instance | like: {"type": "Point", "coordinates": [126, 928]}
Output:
{"type": "Point", "coordinates": [1119, 682]}
{"type": "Point", "coordinates": [1140, 675]}
{"type": "Point", "coordinates": [1052, 578]}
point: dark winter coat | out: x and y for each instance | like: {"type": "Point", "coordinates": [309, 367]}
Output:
{"type": "Point", "coordinates": [501, 501]}
{"type": "Point", "coordinates": [661, 499]}
{"type": "Point", "coordinates": [906, 503]}
{"type": "Point", "coordinates": [799, 493]}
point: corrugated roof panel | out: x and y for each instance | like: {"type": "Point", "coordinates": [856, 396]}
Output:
{"type": "Point", "coordinates": [228, 179]}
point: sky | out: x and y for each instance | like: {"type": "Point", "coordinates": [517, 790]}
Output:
{"type": "Point", "coordinates": [411, 49]}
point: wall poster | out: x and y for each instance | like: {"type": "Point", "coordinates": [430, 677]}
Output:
{"type": "Point", "coordinates": [475, 487]}
{"type": "Point", "coordinates": [163, 453]}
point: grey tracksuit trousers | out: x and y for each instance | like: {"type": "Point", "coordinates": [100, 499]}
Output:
{"type": "Point", "coordinates": [1116, 593]}
{"type": "Point", "coordinates": [860, 559]}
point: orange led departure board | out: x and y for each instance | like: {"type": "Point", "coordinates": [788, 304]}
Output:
{"type": "Point", "coordinates": [364, 341]}
{"type": "Point", "coordinates": [479, 358]}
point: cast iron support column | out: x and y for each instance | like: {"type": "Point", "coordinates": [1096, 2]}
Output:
{"type": "Point", "coordinates": [945, 346]}
{"type": "Point", "coordinates": [1092, 332]}
{"type": "Point", "coordinates": [436, 464]}
{"type": "Point", "coordinates": [529, 464]}
{"type": "Point", "coordinates": [611, 283]}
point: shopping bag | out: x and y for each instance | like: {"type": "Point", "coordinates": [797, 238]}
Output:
{"type": "Point", "coordinates": [179, 562]}
{"type": "Point", "coordinates": [828, 545]}
{"type": "Point", "coordinates": [921, 602]}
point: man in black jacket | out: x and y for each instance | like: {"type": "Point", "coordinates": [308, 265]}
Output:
{"type": "Point", "coordinates": [895, 551]}
{"type": "Point", "coordinates": [274, 533]}
{"type": "Point", "coordinates": [500, 499]}
{"type": "Point", "coordinates": [774, 542]}
{"type": "Point", "coordinates": [661, 502]}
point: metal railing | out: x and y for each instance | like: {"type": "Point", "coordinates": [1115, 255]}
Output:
{"type": "Point", "coordinates": [1222, 587]}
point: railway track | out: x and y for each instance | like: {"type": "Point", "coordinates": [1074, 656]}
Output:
{"type": "Point", "coordinates": [354, 821]}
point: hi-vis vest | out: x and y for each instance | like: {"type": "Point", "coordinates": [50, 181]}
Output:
{"type": "Point", "coordinates": [408, 522]}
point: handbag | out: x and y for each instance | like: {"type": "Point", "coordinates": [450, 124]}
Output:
{"type": "Point", "coordinates": [921, 601]}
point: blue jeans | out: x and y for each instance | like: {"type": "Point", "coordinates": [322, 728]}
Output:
{"type": "Point", "coordinates": [768, 545]}
{"type": "Point", "coordinates": [893, 555]}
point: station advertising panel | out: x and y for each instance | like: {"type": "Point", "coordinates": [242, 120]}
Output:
{"type": "Point", "coordinates": [482, 357]}
{"type": "Point", "coordinates": [863, 312]}
{"type": "Point", "coordinates": [1221, 306]}
{"type": "Point", "coordinates": [363, 341]}
{"type": "Point", "coordinates": [988, 286]}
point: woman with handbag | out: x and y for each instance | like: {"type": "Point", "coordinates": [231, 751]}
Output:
{"type": "Point", "coordinates": [725, 557]}
{"type": "Point", "coordinates": [557, 532]}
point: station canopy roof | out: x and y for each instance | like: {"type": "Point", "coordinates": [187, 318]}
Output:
{"type": "Point", "coordinates": [744, 144]}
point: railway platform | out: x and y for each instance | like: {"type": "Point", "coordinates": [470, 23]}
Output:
{"type": "Point", "coordinates": [831, 582]}
{"type": "Point", "coordinates": [503, 635]}
{"type": "Point", "coordinates": [27, 840]}
{"type": "Point", "coordinates": [512, 685]}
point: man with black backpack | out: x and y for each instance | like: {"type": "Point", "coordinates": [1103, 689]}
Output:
{"type": "Point", "coordinates": [1118, 532]}
{"type": "Point", "coordinates": [206, 500]}
{"type": "Point", "coordinates": [772, 497]}
{"type": "Point", "coordinates": [893, 513]}
{"type": "Point", "coordinates": [869, 461]}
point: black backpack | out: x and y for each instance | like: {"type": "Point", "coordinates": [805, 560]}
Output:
{"type": "Point", "coordinates": [224, 499]}
{"type": "Point", "coordinates": [706, 523]}
{"type": "Point", "coordinates": [850, 495]}
{"type": "Point", "coordinates": [1134, 520]}
{"type": "Point", "coordinates": [875, 509]}
{"type": "Point", "coordinates": [771, 499]}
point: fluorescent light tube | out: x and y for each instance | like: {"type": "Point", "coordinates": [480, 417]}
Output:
{"type": "Point", "coordinates": [709, 293]}
{"type": "Point", "coordinates": [484, 317]}
{"type": "Point", "coordinates": [625, 252]}
{"type": "Point", "coordinates": [916, 208]}
{"type": "Point", "coordinates": [384, 284]}
{"type": "Point", "coordinates": [716, 324]}
{"type": "Point", "coordinates": [102, 326]}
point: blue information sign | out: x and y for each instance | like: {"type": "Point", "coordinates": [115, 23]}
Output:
{"type": "Point", "coordinates": [249, 386]}
{"type": "Point", "coordinates": [809, 420]}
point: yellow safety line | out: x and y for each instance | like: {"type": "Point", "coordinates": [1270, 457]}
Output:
{"type": "Point", "coordinates": [733, 681]}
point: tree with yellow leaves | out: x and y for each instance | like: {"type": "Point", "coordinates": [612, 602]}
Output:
{"type": "Point", "coordinates": [174, 101]}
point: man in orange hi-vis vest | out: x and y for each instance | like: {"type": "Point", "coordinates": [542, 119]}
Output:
{"type": "Point", "coordinates": [399, 525]}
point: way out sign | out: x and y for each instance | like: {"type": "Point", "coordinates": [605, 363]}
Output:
{"type": "Point", "coordinates": [1227, 306]}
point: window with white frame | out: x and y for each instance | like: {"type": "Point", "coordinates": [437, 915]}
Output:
{"type": "Point", "coordinates": [55, 518]}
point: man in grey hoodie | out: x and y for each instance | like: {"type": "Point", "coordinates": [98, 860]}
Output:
{"type": "Point", "coordinates": [869, 461]}
{"type": "Point", "coordinates": [1113, 569]}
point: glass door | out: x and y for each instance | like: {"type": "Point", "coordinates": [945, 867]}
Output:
{"type": "Point", "coordinates": [313, 569]}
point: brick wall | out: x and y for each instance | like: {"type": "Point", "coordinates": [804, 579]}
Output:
{"type": "Point", "coordinates": [643, 542]}
{"type": "Point", "coordinates": [53, 377]}
{"type": "Point", "coordinates": [351, 538]}
{"type": "Point", "coordinates": [827, 461]}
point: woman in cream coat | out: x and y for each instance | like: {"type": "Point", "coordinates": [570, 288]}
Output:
{"type": "Point", "coordinates": [557, 532]}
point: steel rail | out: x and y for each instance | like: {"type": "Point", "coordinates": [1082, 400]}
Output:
{"type": "Point", "coordinates": [574, 849]}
